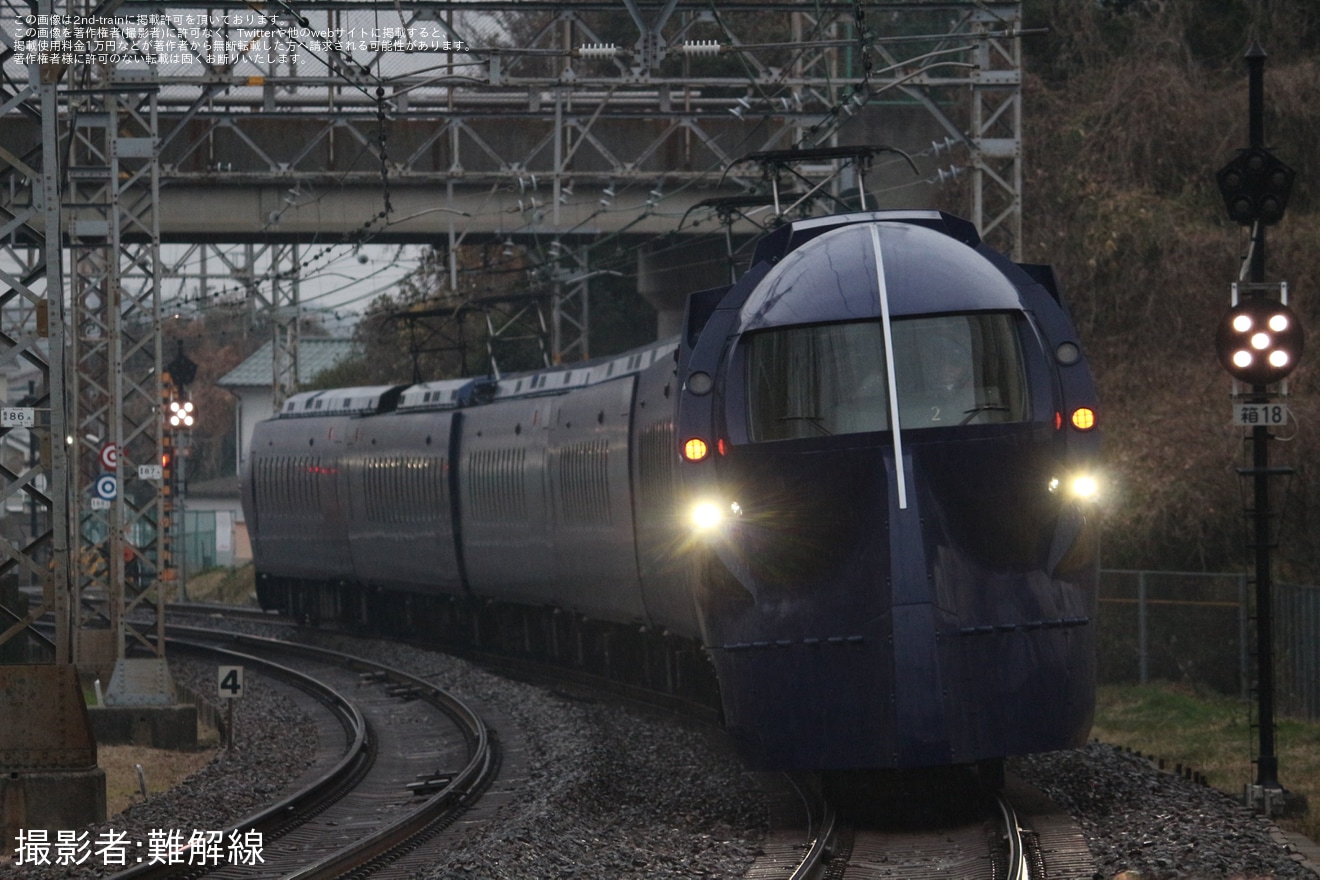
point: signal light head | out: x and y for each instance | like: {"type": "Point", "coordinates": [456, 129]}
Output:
{"type": "Point", "coordinates": [181, 414]}
{"type": "Point", "coordinates": [1255, 186]}
{"type": "Point", "coordinates": [1259, 341]}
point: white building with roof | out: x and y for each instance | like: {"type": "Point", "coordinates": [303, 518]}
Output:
{"type": "Point", "coordinates": [252, 383]}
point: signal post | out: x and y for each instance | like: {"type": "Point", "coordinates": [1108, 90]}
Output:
{"type": "Point", "coordinates": [1260, 341]}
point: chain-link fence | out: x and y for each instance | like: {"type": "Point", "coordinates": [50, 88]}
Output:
{"type": "Point", "coordinates": [1197, 628]}
{"type": "Point", "coordinates": [1297, 647]}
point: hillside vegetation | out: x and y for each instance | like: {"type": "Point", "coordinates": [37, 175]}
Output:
{"type": "Point", "coordinates": [1130, 110]}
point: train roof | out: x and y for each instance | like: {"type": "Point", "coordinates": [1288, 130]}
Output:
{"type": "Point", "coordinates": [341, 401]}
{"type": "Point", "coordinates": [457, 393]}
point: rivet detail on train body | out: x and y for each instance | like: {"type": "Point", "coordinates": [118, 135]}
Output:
{"type": "Point", "coordinates": [808, 642]}
{"type": "Point", "coordinates": [1027, 626]}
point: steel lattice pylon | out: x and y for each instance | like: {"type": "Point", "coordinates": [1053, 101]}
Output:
{"type": "Point", "coordinates": [34, 333]}
{"type": "Point", "coordinates": [112, 192]}
{"type": "Point", "coordinates": [48, 759]}
{"type": "Point", "coordinates": [996, 137]}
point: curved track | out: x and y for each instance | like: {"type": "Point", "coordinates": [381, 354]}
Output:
{"type": "Point", "coordinates": [391, 787]}
{"type": "Point", "coordinates": [1019, 836]}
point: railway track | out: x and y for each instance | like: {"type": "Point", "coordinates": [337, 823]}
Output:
{"type": "Point", "coordinates": [1017, 835]}
{"type": "Point", "coordinates": [413, 759]}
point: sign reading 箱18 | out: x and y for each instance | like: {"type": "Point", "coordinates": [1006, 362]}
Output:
{"type": "Point", "coordinates": [1271, 415]}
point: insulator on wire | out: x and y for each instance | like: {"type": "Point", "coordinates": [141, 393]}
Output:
{"type": "Point", "coordinates": [945, 146]}
{"type": "Point", "coordinates": [598, 50]}
{"type": "Point", "coordinates": [701, 47]}
{"type": "Point", "coordinates": [948, 175]}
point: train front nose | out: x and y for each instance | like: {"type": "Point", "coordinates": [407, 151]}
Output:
{"type": "Point", "coordinates": [850, 630]}
{"type": "Point", "coordinates": [878, 413]}
{"type": "Point", "coordinates": [797, 602]}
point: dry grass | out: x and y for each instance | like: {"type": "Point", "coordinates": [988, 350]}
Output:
{"type": "Point", "coordinates": [228, 586]}
{"type": "Point", "coordinates": [163, 769]}
{"type": "Point", "coordinates": [1212, 735]}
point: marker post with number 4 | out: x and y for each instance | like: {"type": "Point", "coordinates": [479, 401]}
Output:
{"type": "Point", "coordinates": [229, 685]}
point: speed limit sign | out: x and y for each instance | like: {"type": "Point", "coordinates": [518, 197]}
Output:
{"type": "Point", "coordinates": [109, 456]}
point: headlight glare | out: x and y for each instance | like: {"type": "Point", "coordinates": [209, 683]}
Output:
{"type": "Point", "coordinates": [706, 515]}
{"type": "Point", "coordinates": [1085, 487]}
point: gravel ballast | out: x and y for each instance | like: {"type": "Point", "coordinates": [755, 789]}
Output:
{"type": "Point", "coordinates": [275, 746]}
{"type": "Point", "coordinates": [1153, 824]}
{"type": "Point", "coordinates": [613, 791]}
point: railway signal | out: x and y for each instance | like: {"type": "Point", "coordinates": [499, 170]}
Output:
{"type": "Point", "coordinates": [1255, 186]}
{"type": "Point", "coordinates": [181, 414]}
{"type": "Point", "coordinates": [1259, 340]}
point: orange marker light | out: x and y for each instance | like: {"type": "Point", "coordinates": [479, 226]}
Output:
{"type": "Point", "coordinates": [1083, 418]}
{"type": "Point", "coordinates": [695, 449]}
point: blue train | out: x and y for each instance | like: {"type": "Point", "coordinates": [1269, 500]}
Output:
{"type": "Point", "coordinates": [851, 503]}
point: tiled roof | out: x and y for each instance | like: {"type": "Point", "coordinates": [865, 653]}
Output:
{"type": "Point", "coordinates": [315, 355]}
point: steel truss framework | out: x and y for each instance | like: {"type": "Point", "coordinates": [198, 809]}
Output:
{"type": "Point", "coordinates": [339, 98]}
{"type": "Point", "coordinates": [111, 192]}
{"type": "Point", "coordinates": [33, 334]}
{"type": "Point", "coordinates": [568, 125]}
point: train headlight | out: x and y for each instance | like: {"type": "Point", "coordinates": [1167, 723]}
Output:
{"type": "Point", "coordinates": [1079, 487]}
{"type": "Point", "coordinates": [706, 516]}
{"type": "Point", "coordinates": [1084, 487]}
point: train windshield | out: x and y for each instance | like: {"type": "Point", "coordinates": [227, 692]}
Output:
{"type": "Point", "coordinates": [830, 379]}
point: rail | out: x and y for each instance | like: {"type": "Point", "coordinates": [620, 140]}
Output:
{"type": "Point", "coordinates": [442, 802]}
